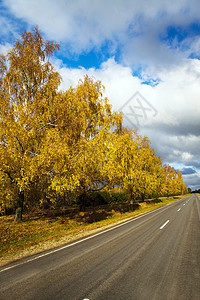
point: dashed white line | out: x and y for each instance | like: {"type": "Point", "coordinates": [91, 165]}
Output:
{"type": "Point", "coordinates": [164, 224]}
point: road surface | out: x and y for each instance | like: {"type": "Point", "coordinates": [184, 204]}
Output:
{"type": "Point", "coordinates": [153, 256]}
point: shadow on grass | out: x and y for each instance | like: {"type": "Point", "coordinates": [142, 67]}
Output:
{"type": "Point", "coordinates": [93, 216]}
{"type": "Point", "coordinates": [89, 215]}
{"type": "Point", "coordinates": [156, 200]}
{"type": "Point", "coordinates": [103, 212]}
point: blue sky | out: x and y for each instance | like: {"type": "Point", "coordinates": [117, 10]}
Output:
{"type": "Point", "coordinates": [146, 53]}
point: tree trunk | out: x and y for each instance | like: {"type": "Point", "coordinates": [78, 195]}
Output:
{"type": "Point", "coordinates": [82, 201]}
{"type": "Point", "coordinates": [20, 204]}
{"type": "Point", "coordinates": [143, 197]}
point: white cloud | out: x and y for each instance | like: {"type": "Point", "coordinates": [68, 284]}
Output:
{"type": "Point", "coordinates": [175, 130]}
{"type": "Point", "coordinates": [4, 48]}
{"type": "Point", "coordinates": [134, 25]}
{"type": "Point", "coordinates": [192, 180]}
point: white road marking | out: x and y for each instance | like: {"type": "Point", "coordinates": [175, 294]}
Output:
{"type": "Point", "coordinates": [179, 209]}
{"type": "Point", "coordinates": [164, 224]}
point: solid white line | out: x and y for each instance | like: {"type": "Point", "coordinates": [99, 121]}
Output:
{"type": "Point", "coordinates": [164, 224]}
{"type": "Point", "coordinates": [88, 238]}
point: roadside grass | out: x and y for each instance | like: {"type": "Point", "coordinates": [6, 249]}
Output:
{"type": "Point", "coordinates": [38, 232]}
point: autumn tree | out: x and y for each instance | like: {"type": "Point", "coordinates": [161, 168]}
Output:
{"type": "Point", "coordinates": [150, 173]}
{"type": "Point", "coordinates": [28, 90]}
{"type": "Point", "coordinates": [134, 166]}
{"type": "Point", "coordinates": [173, 183]}
{"type": "Point", "coordinates": [82, 167]}
{"type": "Point", "coordinates": [182, 189]}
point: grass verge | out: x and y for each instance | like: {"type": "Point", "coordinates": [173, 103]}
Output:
{"type": "Point", "coordinates": [39, 232]}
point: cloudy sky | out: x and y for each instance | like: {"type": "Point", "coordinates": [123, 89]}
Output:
{"type": "Point", "coordinates": [145, 52]}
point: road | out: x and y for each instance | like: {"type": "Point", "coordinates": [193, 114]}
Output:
{"type": "Point", "coordinates": [153, 256]}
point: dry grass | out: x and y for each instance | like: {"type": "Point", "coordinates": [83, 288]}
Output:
{"type": "Point", "coordinates": [40, 232]}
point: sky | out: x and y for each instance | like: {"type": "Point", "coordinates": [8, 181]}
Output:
{"type": "Point", "coordinates": [145, 52]}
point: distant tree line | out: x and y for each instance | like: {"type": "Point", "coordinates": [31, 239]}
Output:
{"type": "Point", "coordinates": [196, 191]}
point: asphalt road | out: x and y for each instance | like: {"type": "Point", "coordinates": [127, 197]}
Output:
{"type": "Point", "coordinates": [153, 256]}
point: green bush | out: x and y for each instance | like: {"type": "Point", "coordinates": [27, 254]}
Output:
{"type": "Point", "coordinates": [102, 198]}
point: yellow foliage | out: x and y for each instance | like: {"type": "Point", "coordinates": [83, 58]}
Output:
{"type": "Point", "coordinates": [70, 140]}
